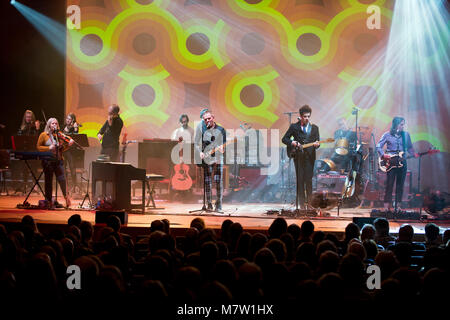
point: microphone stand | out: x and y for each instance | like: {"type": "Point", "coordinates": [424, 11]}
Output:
{"type": "Point", "coordinates": [289, 114]}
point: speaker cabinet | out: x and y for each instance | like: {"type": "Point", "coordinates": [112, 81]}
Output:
{"type": "Point", "coordinates": [333, 183]}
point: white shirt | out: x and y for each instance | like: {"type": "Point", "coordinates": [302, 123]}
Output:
{"type": "Point", "coordinates": [187, 134]}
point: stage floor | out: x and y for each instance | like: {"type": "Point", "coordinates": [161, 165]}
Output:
{"type": "Point", "coordinates": [252, 216]}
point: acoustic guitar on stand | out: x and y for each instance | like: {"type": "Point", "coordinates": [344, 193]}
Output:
{"type": "Point", "coordinates": [181, 180]}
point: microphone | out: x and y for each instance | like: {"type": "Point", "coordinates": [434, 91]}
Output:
{"type": "Point", "coordinates": [79, 124]}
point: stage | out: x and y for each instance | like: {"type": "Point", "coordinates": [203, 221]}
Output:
{"type": "Point", "coordinates": [252, 216]}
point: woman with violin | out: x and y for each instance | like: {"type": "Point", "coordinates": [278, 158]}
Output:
{"type": "Point", "coordinates": [69, 155]}
{"type": "Point", "coordinates": [53, 140]}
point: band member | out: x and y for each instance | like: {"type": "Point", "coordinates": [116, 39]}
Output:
{"type": "Point", "coordinates": [298, 134]}
{"type": "Point", "coordinates": [30, 126]}
{"type": "Point", "coordinates": [184, 131]}
{"type": "Point", "coordinates": [345, 145]}
{"type": "Point", "coordinates": [396, 140]}
{"type": "Point", "coordinates": [53, 140]}
{"type": "Point", "coordinates": [70, 128]}
{"type": "Point", "coordinates": [208, 136]}
{"type": "Point", "coordinates": [110, 132]}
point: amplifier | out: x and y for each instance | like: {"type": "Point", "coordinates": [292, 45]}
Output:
{"type": "Point", "coordinates": [333, 183]}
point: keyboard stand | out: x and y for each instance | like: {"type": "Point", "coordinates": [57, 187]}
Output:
{"type": "Point", "coordinates": [151, 180]}
{"type": "Point", "coordinates": [36, 182]}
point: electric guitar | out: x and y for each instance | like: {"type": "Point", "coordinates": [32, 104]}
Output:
{"type": "Point", "coordinates": [209, 153]}
{"type": "Point", "coordinates": [397, 160]}
{"type": "Point", "coordinates": [181, 180]}
{"type": "Point", "coordinates": [292, 150]}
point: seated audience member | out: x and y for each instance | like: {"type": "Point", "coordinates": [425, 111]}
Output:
{"type": "Point", "coordinates": [432, 235]}
{"type": "Point", "coordinates": [382, 236]}
{"type": "Point", "coordinates": [306, 231]}
{"type": "Point", "coordinates": [368, 232]}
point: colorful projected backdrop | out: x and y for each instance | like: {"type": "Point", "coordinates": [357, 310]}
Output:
{"type": "Point", "coordinates": [249, 61]}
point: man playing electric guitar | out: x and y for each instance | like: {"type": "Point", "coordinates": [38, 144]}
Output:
{"type": "Point", "coordinates": [298, 134]}
{"type": "Point", "coordinates": [396, 140]}
{"type": "Point", "coordinates": [209, 145]}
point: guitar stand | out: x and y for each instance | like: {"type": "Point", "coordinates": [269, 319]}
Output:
{"type": "Point", "coordinates": [203, 209]}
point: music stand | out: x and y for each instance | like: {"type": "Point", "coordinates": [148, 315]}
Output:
{"type": "Point", "coordinates": [80, 139]}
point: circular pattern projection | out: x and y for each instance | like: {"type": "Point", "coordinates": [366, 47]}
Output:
{"type": "Point", "coordinates": [197, 43]}
{"type": "Point", "coordinates": [252, 43]}
{"type": "Point", "coordinates": [364, 42]}
{"type": "Point", "coordinates": [252, 95]}
{"type": "Point", "coordinates": [143, 95]}
{"type": "Point", "coordinates": [308, 44]}
{"type": "Point", "coordinates": [253, 1]}
{"type": "Point", "coordinates": [91, 44]}
{"type": "Point", "coordinates": [144, 44]}
{"type": "Point", "coordinates": [364, 97]}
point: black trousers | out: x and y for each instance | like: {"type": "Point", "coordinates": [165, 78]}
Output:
{"type": "Point", "coordinates": [398, 176]}
{"type": "Point", "coordinates": [304, 170]}
{"type": "Point", "coordinates": [50, 168]}
{"type": "Point", "coordinates": [69, 161]}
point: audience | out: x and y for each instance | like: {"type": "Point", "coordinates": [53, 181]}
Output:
{"type": "Point", "coordinates": [283, 263]}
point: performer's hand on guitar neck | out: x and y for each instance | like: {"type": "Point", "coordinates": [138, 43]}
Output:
{"type": "Point", "coordinates": [99, 136]}
{"type": "Point", "coordinates": [416, 155]}
{"type": "Point", "coordinates": [202, 155]}
{"type": "Point", "coordinates": [316, 144]}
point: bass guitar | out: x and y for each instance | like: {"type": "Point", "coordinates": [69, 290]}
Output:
{"type": "Point", "coordinates": [397, 160]}
{"type": "Point", "coordinates": [292, 150]}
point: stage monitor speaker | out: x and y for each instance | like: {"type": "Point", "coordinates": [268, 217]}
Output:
{"type": "Point", "coordinates": [361, 221]}
{"type": "Point", "coordinates": [102, 216]}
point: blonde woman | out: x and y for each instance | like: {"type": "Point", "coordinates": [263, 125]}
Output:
{"type": "Point", "coordinates": [53, 140]}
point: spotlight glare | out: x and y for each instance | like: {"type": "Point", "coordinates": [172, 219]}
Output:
{"type": "Point", "coordinates": [13, 2]}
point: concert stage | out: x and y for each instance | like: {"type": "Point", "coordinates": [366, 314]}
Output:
{"type": "Point", "coordinates": [252, 216]}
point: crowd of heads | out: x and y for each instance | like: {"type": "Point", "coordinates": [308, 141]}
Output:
{"type": "Point", "coordinates": [202, 265]}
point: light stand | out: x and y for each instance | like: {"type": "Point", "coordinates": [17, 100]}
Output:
{"type": "Point", "coordinates": [288, 185]}
{"type": "Point", "coordinates": [86, 196]}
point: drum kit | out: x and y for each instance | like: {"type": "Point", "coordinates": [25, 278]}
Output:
{"type": "Point", "coordinates": [347, 159]}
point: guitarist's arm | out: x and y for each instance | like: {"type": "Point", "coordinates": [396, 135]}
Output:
{"type": "Point", "coordinates": [409, 146]}
{"type": "Point", "coordinates": [381, 144]}
{"type": "Point", "coordinates": [198, 139]}
{"type": "Point", "coordinates": [224, 140]}
{"type": "Point", "coordinates": [316, 137]}
{"type": "Point", "coordinates": [288, 135]}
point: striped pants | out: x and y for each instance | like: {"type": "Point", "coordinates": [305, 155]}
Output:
{"type": "Point", "coordinates": [210, 172]}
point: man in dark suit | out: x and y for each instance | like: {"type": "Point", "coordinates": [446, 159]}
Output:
{"type": "Point", "coordinates": [298, 134]}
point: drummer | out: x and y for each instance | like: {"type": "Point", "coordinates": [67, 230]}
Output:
{"type": "Point", "coordinates": [345, 142]}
